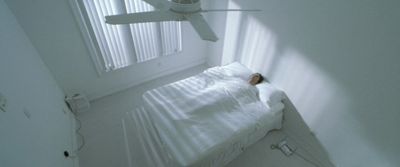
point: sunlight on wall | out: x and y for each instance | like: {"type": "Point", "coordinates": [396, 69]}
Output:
{"type": "Point", "coordinates": [254, 45]}
{"type": "Point", "coordinates": [327, 98]}
{"type": "Point", "coordinates": [250, 42]}
{"type": "Point", "coordinates": [325, 106]}
{"type": "Point", "coordinates": [258, 48]}
{"type": "Point", "coordinates": [231, 34]}
{"type": "Point", "coordinates": [309, 87]}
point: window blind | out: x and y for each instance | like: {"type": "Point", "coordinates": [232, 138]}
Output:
{"type": "Point", "coordinates": [124, 45]}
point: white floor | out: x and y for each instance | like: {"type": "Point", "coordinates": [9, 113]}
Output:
{"type": "Point", "coordinates": [105, 147]}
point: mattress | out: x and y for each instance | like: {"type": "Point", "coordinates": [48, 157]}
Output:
{"type": "Point", "coordinates": [204, 120]}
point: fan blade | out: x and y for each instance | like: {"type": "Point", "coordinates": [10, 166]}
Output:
{"type": "Point", "coordinates": [158, 4]}
{"type": "Point", "coordinates": [143, 17]}
{"type": "Point", "coordinates": [231, 10]}
{"type": "Point", "coordinates": [202, 27]}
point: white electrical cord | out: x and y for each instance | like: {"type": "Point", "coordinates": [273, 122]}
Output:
{"type": "Point", "coordinates": [275, 146]}
{"type": "Point", "coordinates": [306, 150]}
{"type": "Point", "coordinates": [79, 134]}
{"type": "Point", "coordinates": [293, 152]}
{"type": "Point", "coordinates": [79, 125]}
{"type": "Point", "coordinates": [74, 153]}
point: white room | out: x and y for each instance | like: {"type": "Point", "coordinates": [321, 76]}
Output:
{"type": "Point", "coordinates": [80, 89]}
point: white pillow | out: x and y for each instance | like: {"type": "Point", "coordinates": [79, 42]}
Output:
{"type": "Point", "coordinates": [269, 94]}
{"type": "Point", "coordinates": [236, 69]}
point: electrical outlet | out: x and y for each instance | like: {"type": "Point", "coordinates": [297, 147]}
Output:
{"type": "Point", "coordinates": [3, 103]}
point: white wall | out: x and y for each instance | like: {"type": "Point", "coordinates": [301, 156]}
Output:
{"type": "Point", "coordinates": [217, 22]}
{"type": "Point", "coordinates": [39, 139]}
{"type": "Point", "coordinates": [54, 31]}
{"type": "Point", "coordinates": [338, 61]}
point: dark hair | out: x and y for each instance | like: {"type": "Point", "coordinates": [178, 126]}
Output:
{"type": "Point", "coordinates": [261, 77]}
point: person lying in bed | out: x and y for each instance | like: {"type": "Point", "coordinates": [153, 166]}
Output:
{"type": "Point", "coordinates": [255, 79]}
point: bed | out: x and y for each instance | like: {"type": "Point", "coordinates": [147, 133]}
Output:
{"type": "Point", "coordinates": [204, 120]}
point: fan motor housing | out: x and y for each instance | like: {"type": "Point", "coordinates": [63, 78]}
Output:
{"type": "Point", "coordinates": [185, 6]}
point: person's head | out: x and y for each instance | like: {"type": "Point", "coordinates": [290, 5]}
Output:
{"type": "Point", "coordinates": [256, 78]}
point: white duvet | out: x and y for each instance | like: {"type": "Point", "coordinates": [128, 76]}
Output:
{"type": "Point", "coordinates": [208, 119]}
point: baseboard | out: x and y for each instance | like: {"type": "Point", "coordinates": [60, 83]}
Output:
{"type": "Point", "coordinates": [152, 77]}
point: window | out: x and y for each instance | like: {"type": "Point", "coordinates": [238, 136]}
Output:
{"type": "Point", "coordinates": [118, 46]}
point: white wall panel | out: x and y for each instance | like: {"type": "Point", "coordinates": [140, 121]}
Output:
{"type": "Point", "coordinates": [35, 130]}
{"type": "Point", "coordinates": [53, 30]}
{"type": "Point", "coordinates": [338, 61]}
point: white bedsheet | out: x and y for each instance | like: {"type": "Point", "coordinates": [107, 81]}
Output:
{"type": "Point", "coordinates": [207, 119]}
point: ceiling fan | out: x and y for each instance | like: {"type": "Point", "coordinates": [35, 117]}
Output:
{"type": "Point", "coordinates": [174, 10]}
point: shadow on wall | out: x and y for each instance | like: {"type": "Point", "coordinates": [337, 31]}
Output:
{"type": "Point", "coordinates": [326, 97]}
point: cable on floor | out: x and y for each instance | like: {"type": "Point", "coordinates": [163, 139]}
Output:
{"type": "Point", "coordinates": [295, 152]}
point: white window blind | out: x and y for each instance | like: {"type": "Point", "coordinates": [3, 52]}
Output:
{"type": "Point", "coordinates": [124, 45]}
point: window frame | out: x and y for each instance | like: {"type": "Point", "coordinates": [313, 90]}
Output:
{"type": "Point", "coordinates": [91, 42]}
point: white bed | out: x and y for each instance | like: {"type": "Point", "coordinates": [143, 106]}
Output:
{"type": "Point", "coordinates": [204, 120]}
